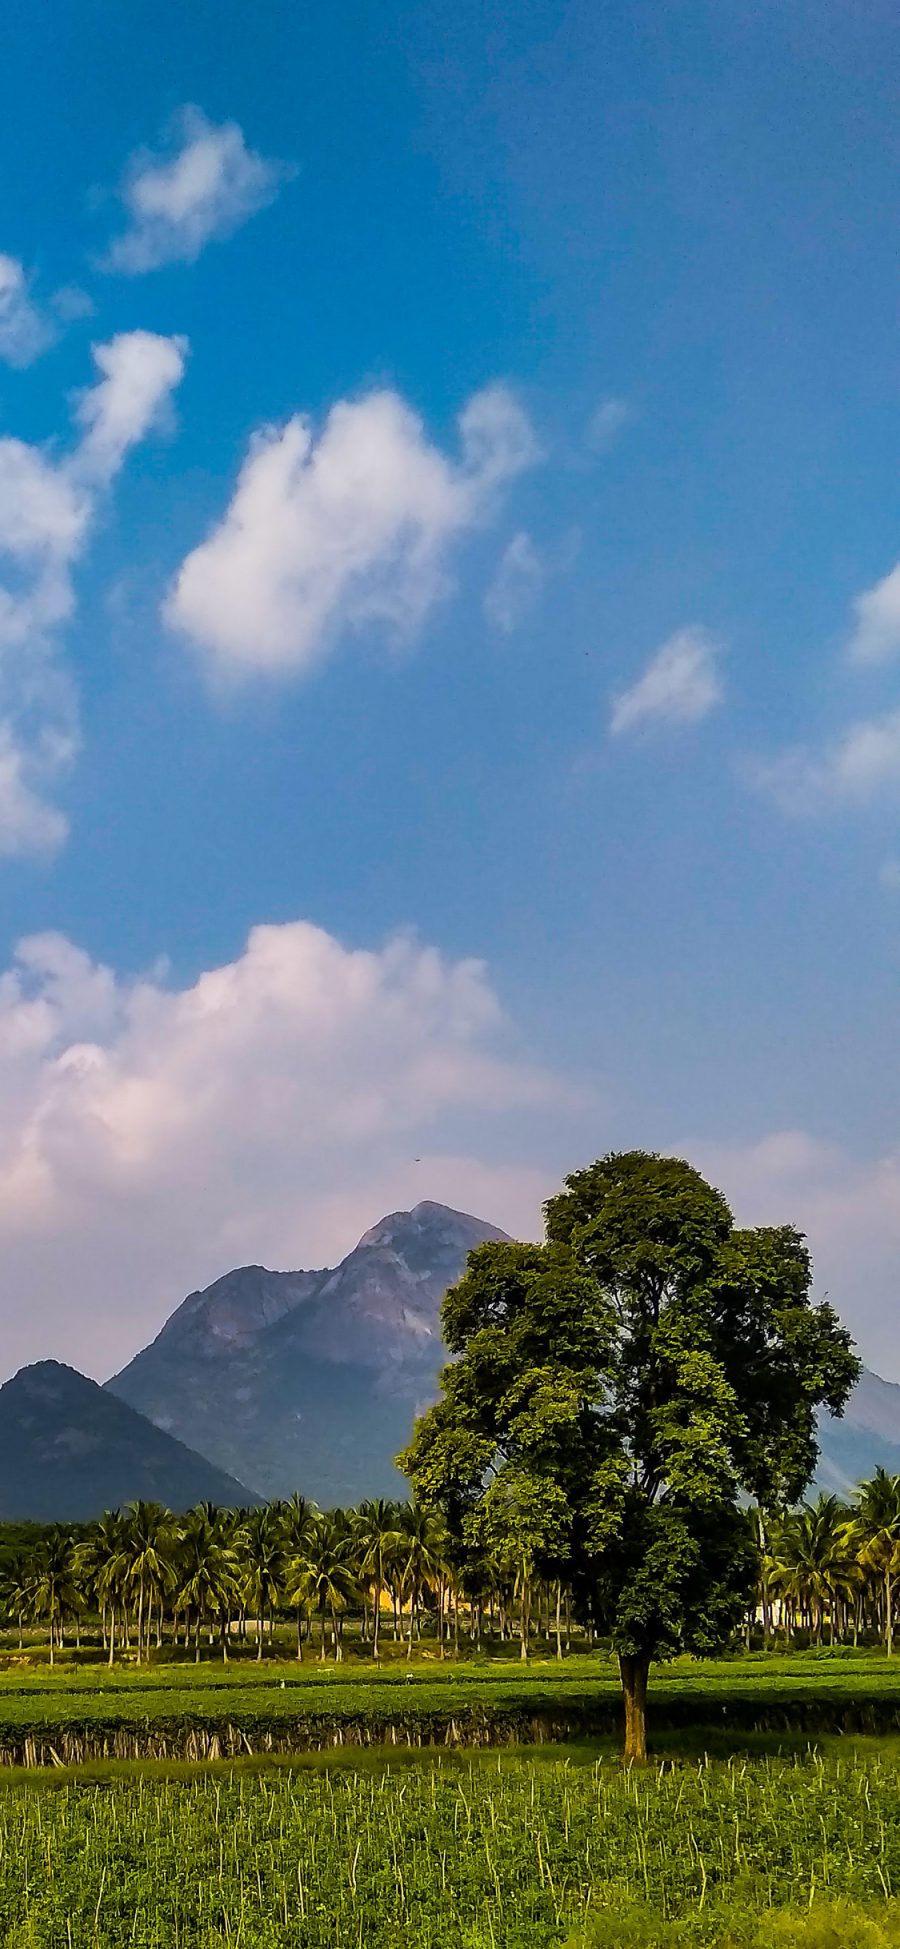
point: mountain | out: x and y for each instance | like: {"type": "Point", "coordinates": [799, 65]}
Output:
{"type": "Point", "coordinates": [69, 1450]}
{"type": "Point", "coordinates": [311, 1380]}
{"type": "Point", "coordinates": [867, 1437]}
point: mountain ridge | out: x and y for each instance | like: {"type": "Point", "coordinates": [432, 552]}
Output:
{"type": "Point", "coordinates": [69, 1451]}
{"type": "Point", "coordinates": [311, 1380]}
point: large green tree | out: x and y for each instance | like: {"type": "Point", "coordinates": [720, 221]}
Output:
{"type": "Point", "coordinates": [623, 1389]}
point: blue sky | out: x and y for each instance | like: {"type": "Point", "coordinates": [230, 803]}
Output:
{"type": "Point", "coordinates": [448, 510]}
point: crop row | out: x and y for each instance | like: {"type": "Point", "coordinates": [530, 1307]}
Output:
{"type": "Point", "coordinates": [45, 1726]}
{"type": "Point", "coordinates": [504, 1855]}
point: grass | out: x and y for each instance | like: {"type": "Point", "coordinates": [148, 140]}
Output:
{"type": "Point", "coordinates": [479, 1852]}
{"type": "Point", "coordinates": [770, 1820]}
{"type": "Point", "coordinates": [77, 1713]}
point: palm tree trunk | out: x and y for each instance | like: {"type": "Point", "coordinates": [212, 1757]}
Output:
{"type": "Point", "coordinates": [376, 1621]}
{"type": "Point", "coordinates": [524, 1619]}
{"type": "Point", "coordinates": [559, 1617]}
{"type": "Point", "coordinates": [888, 1612]}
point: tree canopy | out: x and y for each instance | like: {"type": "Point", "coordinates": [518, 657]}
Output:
{"type": "Point", "coordinates": [618, 1393]}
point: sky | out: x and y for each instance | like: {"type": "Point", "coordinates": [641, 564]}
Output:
{"type": "Point", "coordinates": [449, 631]}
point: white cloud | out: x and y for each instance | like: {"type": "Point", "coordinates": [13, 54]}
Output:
{"type": "Point", "coordinates": [71, 303]}
{"type": "Point", "coordinates": [605, 425]}
{"type": "Point", "coordinates": [349, 529]}
{"type": "Point", "coordinates": [848, 1208]}
{"type": "Point", "coordinates": [679, 686]}
{"type": "Point", "coordinates": [47, 505]}
{"type": "Point", "coordinates": [152, 1136]}
{"type": "Point", "coordinates": [854, 769]}
{"type": "Point", "coordinates": [24, 332]}
{"type": "Point", "coordinates": [876, 637]}
{"type": "Point", "coordinates": [28, 824]}
{"type": "Point", "coordinates": [516, 584]}
{"type": "Point", "coordinates": [204, 185]}
{"type": "Point", "coordinates": [139, 373]}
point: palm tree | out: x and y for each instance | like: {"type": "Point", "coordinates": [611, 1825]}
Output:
{"type": "Point", "coordinates": [378, 1539]}
{"type": "Point", "coordinates": [148, 1547]}
{"type": "Point", "coordinates": [101, 1566]}
{"type": "Point", "coordinates": [324, 1580]}
{"type": "Point", "coordinates": [812, 1559]}
{"type": "Point", "coordinates": [207, 1573]}
{"type": "Point", "coordinates": [53, 1587]}
{"type": "Point", "coordinates": [297, 1524]}
{"type": "Point", "coordinates": [261, 1556]}
{"type": "Point", "coordinates": [422, 1555]}
{"type": "Point", "coordinates": [876, 1527]}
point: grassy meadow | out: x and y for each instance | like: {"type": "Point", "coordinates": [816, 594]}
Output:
{"type": "Point", "coordinates": [282, 1804]}
{"type": "Point", "coordinates": [491, 1850]}
{"type": "Point", "coordinates": [82, 1711]}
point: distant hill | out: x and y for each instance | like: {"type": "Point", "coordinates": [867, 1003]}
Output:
{"type": "Point", "coordinates": [867, 1437]}
{"type": "Point", "coordinates": [311, 1380]}
{"type": "Point", "coordinates": [69, 1450]}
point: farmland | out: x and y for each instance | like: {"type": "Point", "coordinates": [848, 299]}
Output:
{"type": "Point", "coordinates": [494, 1850]}
{"type": "Point", "coordinates": [337, 1811]}
{"type": "Point", "coordinates": [83, 1712]}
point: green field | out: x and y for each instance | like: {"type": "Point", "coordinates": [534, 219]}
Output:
{"type": "Point", "coordinates": [770, 1814]}
{"type": "Point", "coordinates": [500, 1852]}
{"type": "Point", "coordinates": [83, 1713]}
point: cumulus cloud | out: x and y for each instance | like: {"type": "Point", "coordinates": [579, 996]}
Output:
{"type": "Point", "coordinates": [47, 506]}
{"type": "Point", "coordinates": [347, 529]}
{"type": "Point", "coordinates": [606, 423]}
{"type": "Point", "coordinates": [24, 331]}
{"type": "Point", "coordinates": [516, 584]}
{"type": "Point", "coordinates": [139, 371]}
{"type": "Point", "coordinates": [679, 686]}
{"type": "Point", "coordinates": [854, 769]}
{"type": "Point", "coordinates": [876, 636]}
{"type": "Point", "coordinates": [202, 185]}
{"type": "Point", "coordinates": [152, 1135]}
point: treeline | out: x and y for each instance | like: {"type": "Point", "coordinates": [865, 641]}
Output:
{"type": "Point", "coordinates": [828, 1571]}
{"type": "Point", "coordinates": [146, 1577]}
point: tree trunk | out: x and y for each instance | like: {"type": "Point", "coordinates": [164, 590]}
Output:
{"type": "Point", "coordinates": [558, 1617]}
{"type": "Point", "coordinates": [634, 1673]}
{"type": "Point", "coordinates": [888, 1614]}
{"type": "Point", "coordinates": [376, 1621]}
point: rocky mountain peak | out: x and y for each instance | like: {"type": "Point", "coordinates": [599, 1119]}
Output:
{"type": "Point", "coordinates": [273, 1373]}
